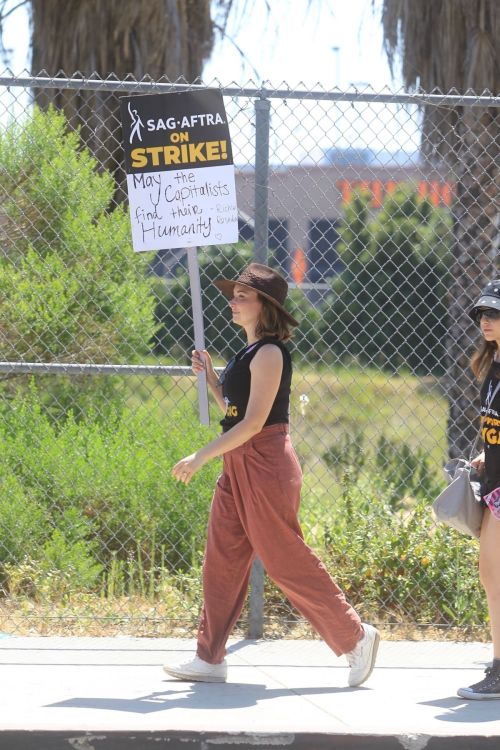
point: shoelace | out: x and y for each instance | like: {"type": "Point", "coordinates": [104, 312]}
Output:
{"type": "Point", "coordinates": [492, 677]}
{"type": "Point", "coordinates": [495, 673]}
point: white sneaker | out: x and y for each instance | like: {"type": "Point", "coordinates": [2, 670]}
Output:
{"type": "Point", "coordinates": [198, 670]}
{"type": "Point", "coordinates": [362, 658]}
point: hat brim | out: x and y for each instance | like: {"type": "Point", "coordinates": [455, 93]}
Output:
{"type": "Point", "coordinates": [484, 301]}
{"type": "Point", "coordinates": [226, 286]}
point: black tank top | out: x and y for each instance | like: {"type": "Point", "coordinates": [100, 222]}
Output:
{"type": "Point", "coordinates": [235, 382]}
{"type": "Point", "coordinates": [490, 428]}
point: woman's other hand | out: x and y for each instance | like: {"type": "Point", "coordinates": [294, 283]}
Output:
{"type": "Point", "coordinates": [186, 468]}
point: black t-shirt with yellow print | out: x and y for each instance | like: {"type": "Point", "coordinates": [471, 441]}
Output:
{"type": "Point", "coordinates": [490, 428]}
{"type": "Point", "coordinates": [235, 382]}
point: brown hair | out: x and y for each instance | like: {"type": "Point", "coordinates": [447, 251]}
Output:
{"type": "Point", "coordinates": [272, 322]}
{"type": "Point", "coordinates": [481, 359]}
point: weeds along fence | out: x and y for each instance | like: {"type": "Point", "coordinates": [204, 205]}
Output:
{"type": "Point", "coordinates": [385, 232]}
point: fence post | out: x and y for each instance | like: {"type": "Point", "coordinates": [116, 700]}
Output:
{"type": "Point", "coordinates": [261, 232]}
{"type": "Point", "coordinates": [199, 331]}
{"type": "Point", "coordinates": [261, 218]}
{"type": "Point", "coordinates": [256, 601]}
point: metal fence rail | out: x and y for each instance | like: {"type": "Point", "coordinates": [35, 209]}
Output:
{"type": "Point", "coordinates": [343, 193]}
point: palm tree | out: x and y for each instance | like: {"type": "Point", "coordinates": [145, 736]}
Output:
{"type": "Point", "coordinates": [124, 38]}
{"type": "Point", "coordinates": [455, 44]}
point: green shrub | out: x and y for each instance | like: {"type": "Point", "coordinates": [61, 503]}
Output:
{"type": "Point", "coordinates": [388, 307]}
{"type": "Point", "coordinates": [71, 288]}
{"type": "Point", "coordinates": [381, 543]}
{"type": "Point", "coordinates": [98, 493]}
{"type": "Point", "coordinates": [25, 523]}
{"type": "Point", "coordinates": [398, 567]}
{"type": "Point", "coordinates": [306, 340]}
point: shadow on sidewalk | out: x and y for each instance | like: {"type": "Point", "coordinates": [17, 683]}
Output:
{"type": "Point", "coordinates": [220, 696]}
{"type": "Point", "coordinates": [467, 712]}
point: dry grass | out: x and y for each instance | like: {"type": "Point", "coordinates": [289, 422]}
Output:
{"type": "Point", "coordinates": [391, 632]}
{"type": "Point", "coordinates": [94, 616]}
{"type": "Point", "coordinates": [132, 616]}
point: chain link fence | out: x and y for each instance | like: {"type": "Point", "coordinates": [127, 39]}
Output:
{"type": "Point", "coordinates": [340, 191]}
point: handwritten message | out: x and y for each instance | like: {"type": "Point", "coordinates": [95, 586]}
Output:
{"type": "Point", "coordinates": [183, 208]}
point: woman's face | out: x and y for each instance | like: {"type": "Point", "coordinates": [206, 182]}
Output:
{"type": "Point", "coordinates": [245, 305]}
{"type": "Point", "coordinates": [490, 324]}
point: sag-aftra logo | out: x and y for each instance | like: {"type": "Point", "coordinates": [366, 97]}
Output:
{"type": "Point", "coordinates": [169, 123]}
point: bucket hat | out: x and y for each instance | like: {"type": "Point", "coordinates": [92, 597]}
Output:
{"type": "Point", "coordinates": [264, 280]}
{"type": "Point", "coordinates": [490, 297]}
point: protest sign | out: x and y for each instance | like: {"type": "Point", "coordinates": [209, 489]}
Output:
{"type": "Point", "coordinates": [180, 182]}
{"type": "Point", "coordinates": [180, 172]}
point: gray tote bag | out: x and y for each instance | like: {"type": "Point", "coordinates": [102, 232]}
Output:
{"type": "Point", "coordinates": [459, 505]}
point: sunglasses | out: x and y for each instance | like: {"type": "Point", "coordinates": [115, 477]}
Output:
{"type": "Point", "coordinates": [489, 314]}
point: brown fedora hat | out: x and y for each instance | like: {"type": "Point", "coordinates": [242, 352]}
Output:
{"type": "Point", "coordinates": [264, 280]}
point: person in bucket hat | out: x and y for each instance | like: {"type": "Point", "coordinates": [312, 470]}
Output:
{"type": "Point", "coordinates": [489, 299]}
{"type": "Point", "coordinates": [256, 499]}
{"type": "Point", "coordinates": [485, 364]}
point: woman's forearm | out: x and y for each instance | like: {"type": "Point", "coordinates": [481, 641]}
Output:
{"type": "Point", "coordinates": [216, 389]}
{"type": "Point", "coordinates": [229, 440]}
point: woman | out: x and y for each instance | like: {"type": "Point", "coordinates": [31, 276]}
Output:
{"type": "Point", "coordinates": [486, 366]}
{"type": "Point", "coordinates": [256, 500]}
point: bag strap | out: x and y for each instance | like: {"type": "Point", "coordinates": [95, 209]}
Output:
{"type": "Point", "coordinates": [475, 446]}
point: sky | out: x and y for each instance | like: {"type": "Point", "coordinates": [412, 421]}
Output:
{"type": "Point", "coordinates": [333, 43]}
{"type": "Point", "coordinates": [318, 45]}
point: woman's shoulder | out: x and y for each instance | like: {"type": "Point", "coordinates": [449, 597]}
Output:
{"type": "Point", "coordinates": [272, 350]}
{"type": "Point", "coordinates": [273, 340]}
{"type": "Point", "coordinates": [271, 347]}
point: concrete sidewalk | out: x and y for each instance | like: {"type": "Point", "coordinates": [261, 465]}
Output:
{"type": "Point", "coordinates": [91, 693]}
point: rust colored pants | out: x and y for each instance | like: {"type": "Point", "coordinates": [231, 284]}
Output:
{"type": "Point", "coordinates": [254, 512]}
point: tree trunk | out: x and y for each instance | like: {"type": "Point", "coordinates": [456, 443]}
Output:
{"type": "Point", "coordinates": [116, 38]}
{"type": "Point", "coordinates": [476, 227]}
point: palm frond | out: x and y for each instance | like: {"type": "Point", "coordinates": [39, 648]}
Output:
{"type": "Point", "coordinates": [444, 45]}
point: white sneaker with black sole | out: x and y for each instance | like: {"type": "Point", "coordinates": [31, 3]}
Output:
{"type": "Point", "coordinates": [197, 670]}
{"type": "Point", "coordinates": [362, 658]}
